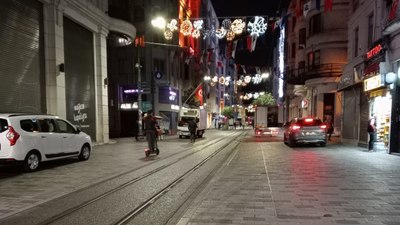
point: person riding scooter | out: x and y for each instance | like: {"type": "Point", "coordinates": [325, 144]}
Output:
{"type": "Point", "coordinates": [150, 126]}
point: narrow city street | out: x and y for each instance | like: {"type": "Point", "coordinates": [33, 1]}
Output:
{"type": "Point", "coordinates": [227, 177]}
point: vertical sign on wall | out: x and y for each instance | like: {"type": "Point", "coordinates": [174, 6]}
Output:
{"type": "Point", "coordinates": [79, 76]}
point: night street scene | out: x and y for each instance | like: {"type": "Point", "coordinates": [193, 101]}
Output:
{"type": "Point", "coordinates": [199, 112]}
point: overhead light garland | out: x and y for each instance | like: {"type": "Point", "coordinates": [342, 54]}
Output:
{"type": "Point", "coordinates": [229, 29]}
{"type": "Point", "coordinates": [256, 79]}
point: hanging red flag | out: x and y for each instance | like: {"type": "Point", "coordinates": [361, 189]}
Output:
{"type": "Point", "coordinates": [298, 8]}
{"type": "Point", "coordinates": [328, 5]}
{"type": "Point", "coordinates": [199, 93]}
{"type": "Point", "coordinates": [393, 10]}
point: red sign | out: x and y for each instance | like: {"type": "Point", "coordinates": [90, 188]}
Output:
{"type": "Point", "coordinates": [374, 51]}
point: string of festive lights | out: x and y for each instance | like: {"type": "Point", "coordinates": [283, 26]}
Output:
{"type": "Point", "coordinates": [229, 29]}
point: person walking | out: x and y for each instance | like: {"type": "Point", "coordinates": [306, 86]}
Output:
{"type": "Point", "coordinates": [192, 125]}
{"type": "Point", "coordinates": [329, 126]}
{"type": "Point", "coordinates": [372, 133]}
{"type": "Point", "coordinates": [150, 127]}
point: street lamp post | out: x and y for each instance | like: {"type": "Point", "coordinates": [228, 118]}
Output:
{"type": "Point", "coordinates": [139, 85]}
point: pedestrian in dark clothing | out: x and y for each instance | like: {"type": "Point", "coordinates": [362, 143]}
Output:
{"type": "Point", "coordinates": [192, 129]}
{"type": "Point", "coordinates": [329, 127]}
{"type": "Point", "coordinates": [372, 132]}
{"type": "Point", "coordinates": [150, 126]}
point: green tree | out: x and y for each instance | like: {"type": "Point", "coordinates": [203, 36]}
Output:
{"type": "Point", "coordinates": [264, 100]}
{"type": "Point", "coordinates": [228, 112]}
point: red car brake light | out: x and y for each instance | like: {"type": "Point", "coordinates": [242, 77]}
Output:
{"type": "Point", "coordinates": [323, 126]}
{"type": "Point", "coordinates": [295, 127]}
{"type": "Point", "coordinates": [12, 135]}
{"type": "Point", "coordinates": [309, 120]}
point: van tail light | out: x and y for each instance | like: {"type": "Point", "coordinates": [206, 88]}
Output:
{"type": "Point", "coordinates": [323, 126]}
{"type": "Point", "coordinates": [296, 127]}
{"type": "Point", "coordinates": [12, 136]}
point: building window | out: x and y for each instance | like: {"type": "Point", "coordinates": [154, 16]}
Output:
{"type": "Point", "coordinates": [310, 59]}
{"type": "Point", "coordinates": [317, 58]}
{"type": "Point", "coordinates": [302, 38]}
{"type": "Point", "coordinates": [293, 23]}
{"type": "Point", "coordinates": [302, 65]}
{"type": "Point", "coordinates": [314, 59]}
{"type": "Point", "coordinates": [315, 24]}
{"type": "Point", "coordinates": [370, 29]}
{"type": "Point", "coordinates": [355, 42]}
{"type": "Point", "coordinates": [293, 50]}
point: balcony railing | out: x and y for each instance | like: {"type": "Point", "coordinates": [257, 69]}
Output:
{"type": "Point", "coordinates": [300, 75]}
{"type": "Point", "coordinates": [392, 21]}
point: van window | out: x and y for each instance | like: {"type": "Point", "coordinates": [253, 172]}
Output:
{"type": "Point", "coordinates": [3, 125]}
{"type": "Point", "coordinates": [29, 125]}
{"type": "Point", "coordinates": [47, 125]}
{"type": "Point", "coordinates": [65, 127]}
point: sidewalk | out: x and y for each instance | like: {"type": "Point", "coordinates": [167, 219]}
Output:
{"type": "Point", "coordinates": [267, 183]}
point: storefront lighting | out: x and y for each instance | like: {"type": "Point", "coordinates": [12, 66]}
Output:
{"type": "Point", "coordinates": [390, 78]}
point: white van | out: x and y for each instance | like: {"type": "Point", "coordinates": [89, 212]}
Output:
{"type": "Point", "coordinates": [31, 139]}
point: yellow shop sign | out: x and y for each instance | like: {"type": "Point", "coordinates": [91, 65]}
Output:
{"type": "Point", "coordinates": [373, 83]}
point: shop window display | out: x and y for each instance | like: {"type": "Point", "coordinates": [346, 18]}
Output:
{"type": "Point", "coordinates": [381, 111]}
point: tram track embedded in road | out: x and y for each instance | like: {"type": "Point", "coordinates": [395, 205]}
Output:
{"type": "Point", "coordinates": [150, 201]}
{"type": "Point", "coordinates": [138, 209]}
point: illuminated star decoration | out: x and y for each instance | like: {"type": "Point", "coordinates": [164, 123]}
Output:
{"type": "Point", "coordinates": [221, 32]}
{"type": "Point", "coordinates": [168, 34]}
{"type": "Point", "coordinates": [258, 27]}
{"type": "Point", "coordinates": [186, 27]}
{"type": "Point", "coordinates": [257, 79]}
{"type": "Point", "coordinates": [173, 25]}
{"type": "Point", "coordinates": [230, 35]}
{"type": "Point", "coordinates": [226, 24]}
{"type": "Point", "coordinates": [198, 25]}
{"type": "Point", "coordinates": [237, 26]}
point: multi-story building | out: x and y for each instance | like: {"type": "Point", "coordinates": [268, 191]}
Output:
{"type": "Point", "coordinates": [316, 53]}
{"type": "Point", "coordinates": [391, 34]}
{"type": "Point", "coordinates": [54, 60]}
{"type": "Point", "coordinates": [362, 37]}
{"type": "Point", "coordinates": [369, 83]}
{"type": "Point", "coordinates": [158, 73]}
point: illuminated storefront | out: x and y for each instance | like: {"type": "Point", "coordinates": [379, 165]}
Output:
{"type": "Point", "coordinates": [378, 94]}
{"type": "Point", "coordinates": [380, 105]}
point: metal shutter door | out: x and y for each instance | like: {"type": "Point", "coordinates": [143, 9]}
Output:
{"type": "Point", "coordinates": [21, 57]}
{"type": "Point", "coordinates": [350, 117]}
{"type": "Point", "coordinates": [79, 76]}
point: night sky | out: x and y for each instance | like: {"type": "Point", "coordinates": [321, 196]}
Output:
{"type": "Point", "coordinates": [262, 56]}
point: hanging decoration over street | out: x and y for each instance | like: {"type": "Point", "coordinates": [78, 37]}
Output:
{"type": "Point", "coordinates": [186, 27]}
{"type": "Point", "coordinates": [257, 27]}
{"type": "Point", "coordinates": [228, 29]}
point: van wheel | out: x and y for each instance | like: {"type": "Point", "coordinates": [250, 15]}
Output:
{"type": "Point", "coordinates": [323, 144]}
{"type": "Point", "coordinates": [31, 162]}
{"type": "Point", "coordinates": [85, 153]}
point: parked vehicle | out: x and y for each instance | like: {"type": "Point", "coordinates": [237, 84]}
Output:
{"type": "Point", "coordinates": [305, 130]}
{"type": "Point", "coordinates": [185, 115]}
{"type": "Point", "coordinates": [261, 123]}
{"type": "Point", "coordinates": [32, 139]}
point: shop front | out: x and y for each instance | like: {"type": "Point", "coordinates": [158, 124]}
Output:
{"type": "Point", "coordinates": [168, 104]}
{"type": "Point", "coordinates": [22, 64]}
{"type": "Point", "coordinates": [380, 106]}
{"type": "Point", "coordinates": [353, 102]}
